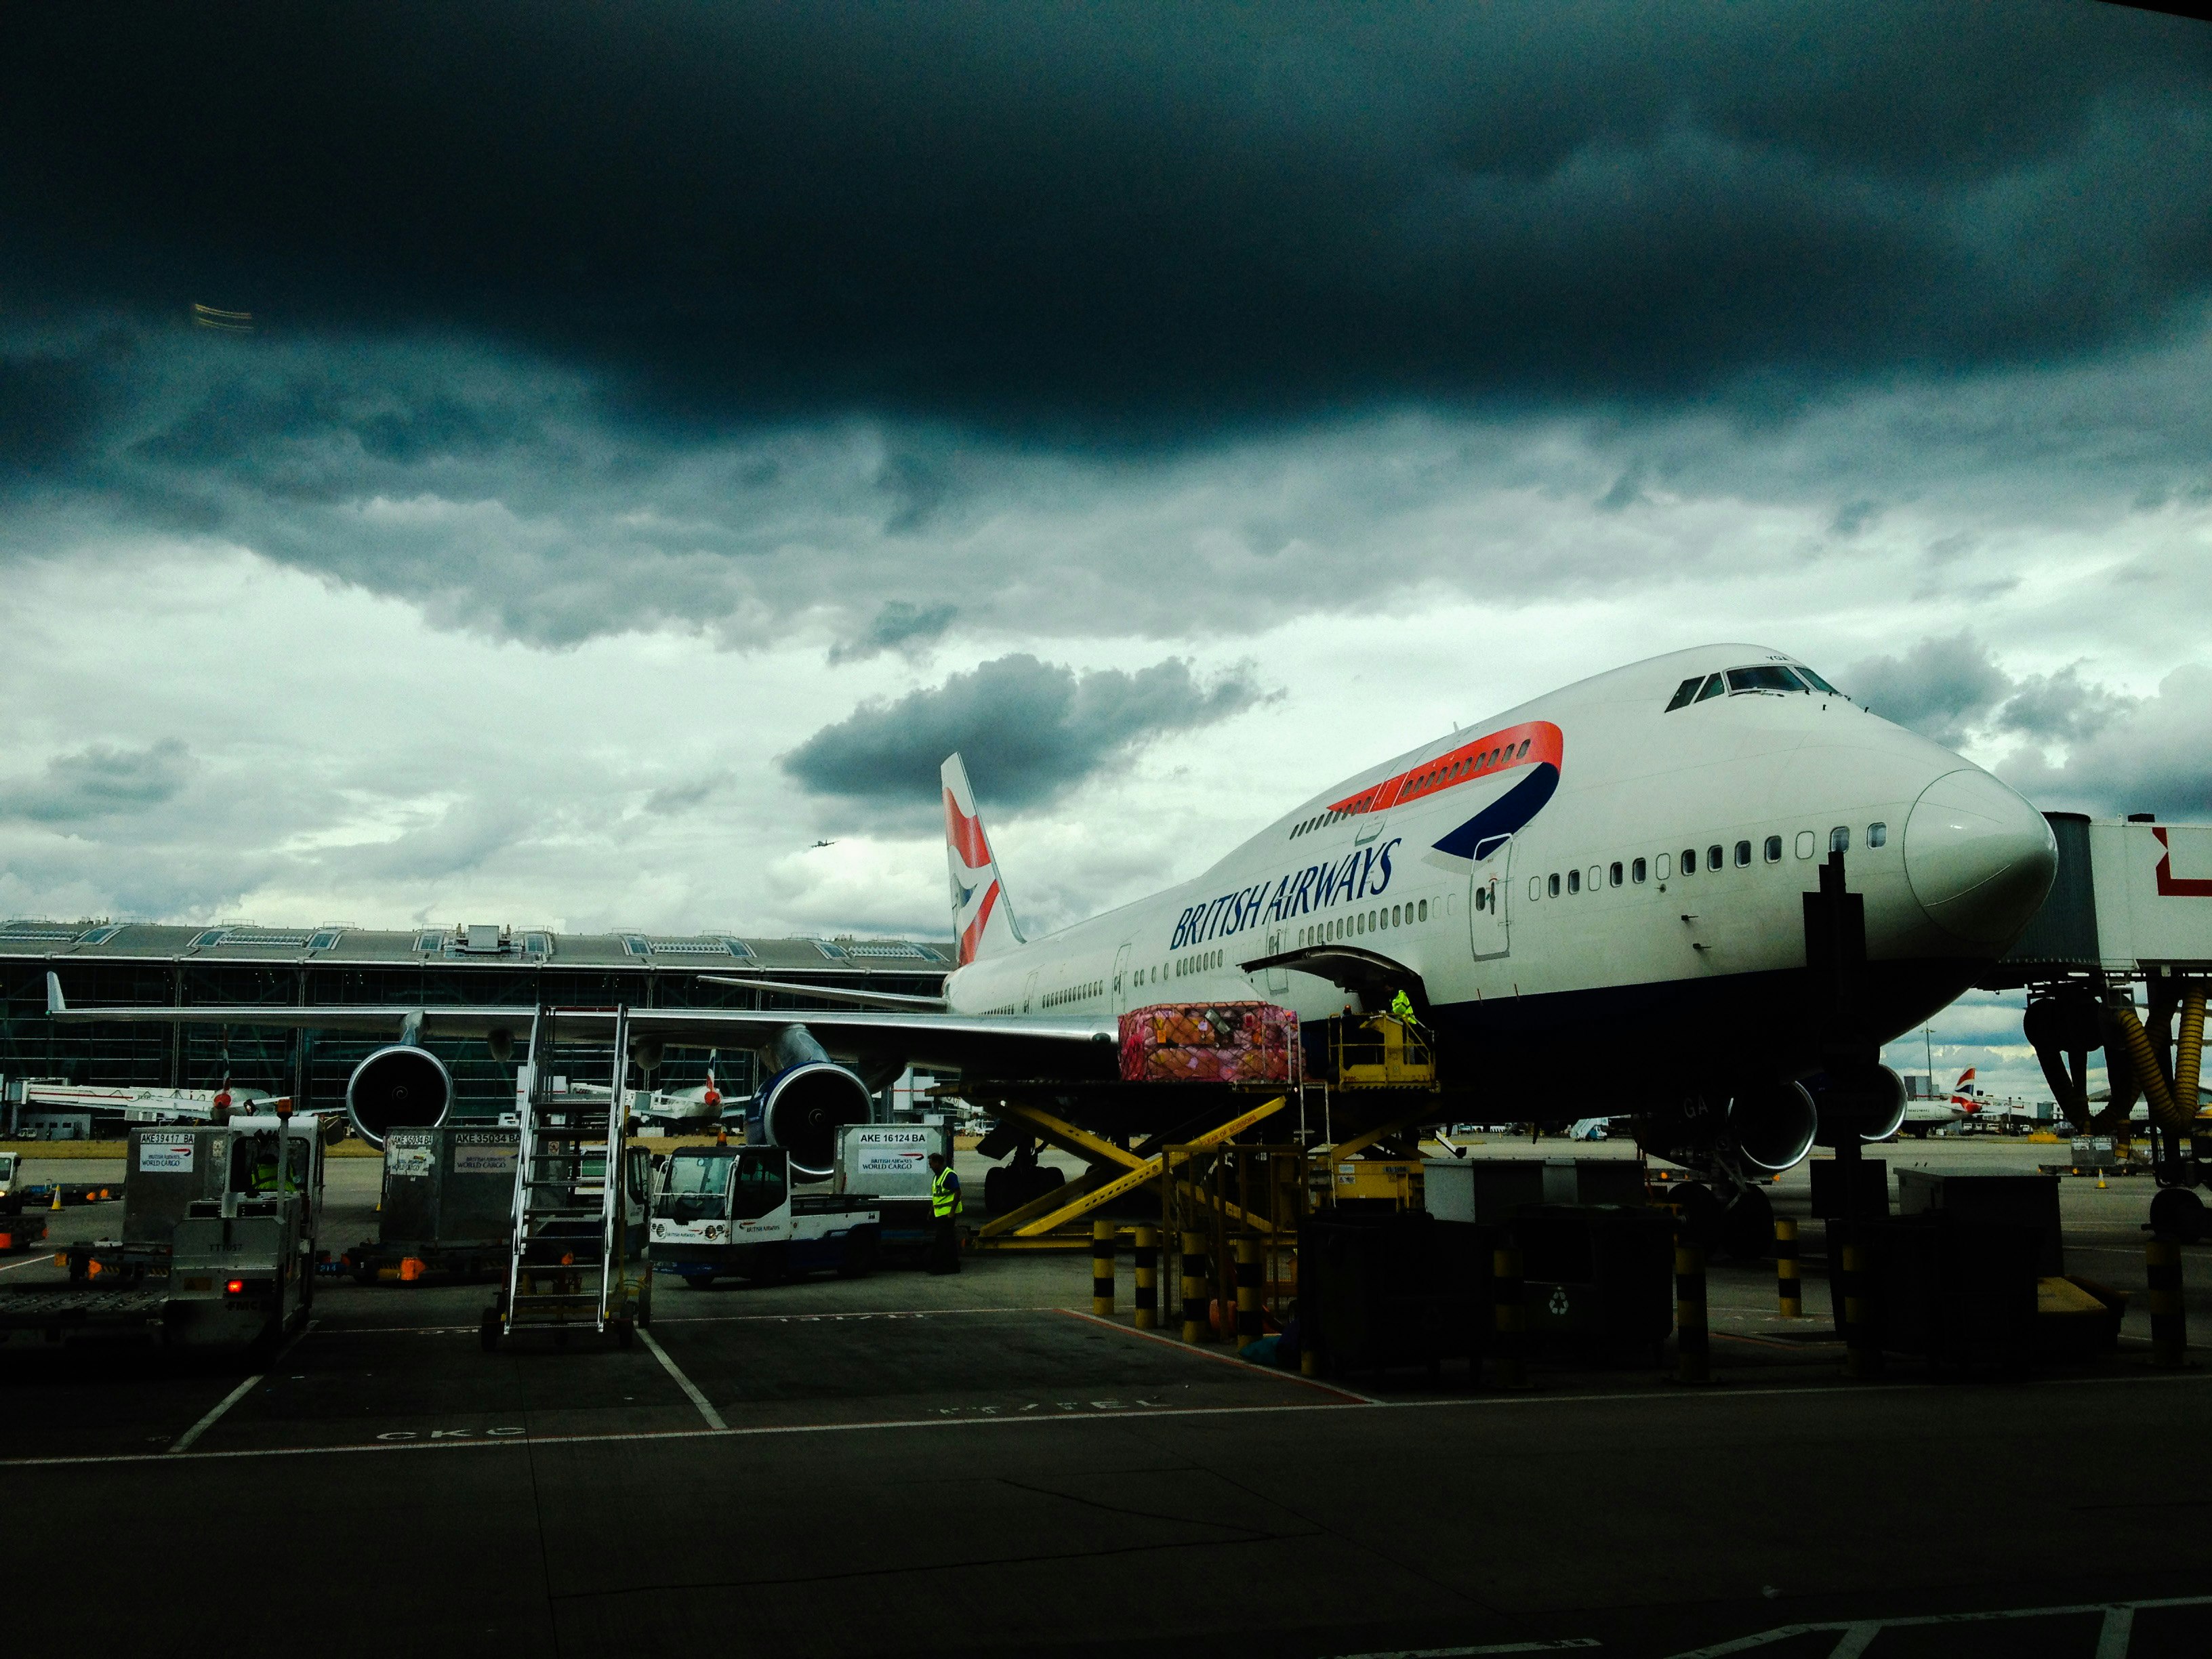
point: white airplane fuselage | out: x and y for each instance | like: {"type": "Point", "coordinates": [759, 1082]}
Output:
{"type": "Point", "coordinates": [1590, 880]}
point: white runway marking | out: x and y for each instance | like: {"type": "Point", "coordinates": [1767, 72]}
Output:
{"type": "Point", "coordinates": [1206, 1352]}
{"type": "Point", "coordinates": [1856, 1635]}
{"type": "Point", "coordinates": [706, 1407]}
{"type": "Point", "coordinates": [1533, 1401]}
{"type": "Point", "coordinates": [184, 1441]}
{"type": "Point", "coordinates": [1563, 1645]}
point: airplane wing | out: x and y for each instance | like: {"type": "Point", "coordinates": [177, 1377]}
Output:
{"type": "Point", "coordinates": [828, 993]}
{"type": "Point", "coordinates": [368, 1019]}
{"type": "Point", "coordinates": [1001, 1043]}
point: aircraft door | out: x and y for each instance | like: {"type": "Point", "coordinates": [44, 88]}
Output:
{"type": "Point", "coordinates": [1277, 979]}
{"type": "Point", "coordinates": [1028, 991]}
{"type": "Point", "coordinates": [1489, 900]}
{"type": "Point", "coordinates": [1121, 980]}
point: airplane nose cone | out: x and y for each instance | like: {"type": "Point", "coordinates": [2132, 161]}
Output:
{"type": "Point", "coordinates": [1980, 858]}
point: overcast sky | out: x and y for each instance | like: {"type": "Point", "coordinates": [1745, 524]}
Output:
{"type": "Point", "coordinates": [666, 429]}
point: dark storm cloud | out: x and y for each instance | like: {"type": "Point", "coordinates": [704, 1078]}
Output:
{"type": "Point", "coordinates": [1027, 730]}
{"type": "Point", "coordinates": [672, 798]}
{"type": "Point", "coordinates": [1940, 687]}
{"type": "Point", "coordinates": [897, 627]}
{"type": "Point", "coordinates": [2147, 756]}
{"type": "Point", "coordinates": [1949, 688]}
{"type": "Point", "coordinates": [1114, 219]}
{"type": "Point", "coordinates": [99, 782]}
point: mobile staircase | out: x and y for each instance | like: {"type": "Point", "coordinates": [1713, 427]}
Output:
{"type": "Point", "coordinates": [577, 1258]}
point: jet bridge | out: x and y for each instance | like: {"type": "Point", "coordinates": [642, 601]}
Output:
{"type": "Point", "coordinates": [2132, 906]}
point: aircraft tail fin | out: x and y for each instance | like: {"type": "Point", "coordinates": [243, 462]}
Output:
{"type": "Point", "coordinates": [982, 915]}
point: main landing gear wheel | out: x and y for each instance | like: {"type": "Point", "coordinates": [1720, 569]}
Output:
{"type": "Point", "coordinates": [1748, 1226]}
{"type": "Point", "coordinates": [2178, 1215]}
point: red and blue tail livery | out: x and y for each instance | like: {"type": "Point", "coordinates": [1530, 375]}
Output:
{"type": "Point", "coordinates": [982, 919]}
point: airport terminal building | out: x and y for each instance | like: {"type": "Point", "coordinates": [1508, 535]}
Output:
{"type": "Point", "coordinates": [152, 965]}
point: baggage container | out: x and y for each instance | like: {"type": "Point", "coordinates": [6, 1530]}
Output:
{"type": "Point", "coordinates": [1210, 1042]}
{"type": "Point", "coordinates": [1379, 1289]}
{"type": "Point", "coordinates": [1597, 1276]}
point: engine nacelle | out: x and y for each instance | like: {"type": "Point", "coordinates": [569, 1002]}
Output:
{"type": "Point", "coordinates": [402, 1087]}
{"type": "Point", "coordinates": [801, 1108]}
{"type": "Point", "coordinates": [1868, 1104]}
{"type": "Point", "coordinates": [1773, 1127]}
{"type": "Point", "coordinates": [1767, 1129]}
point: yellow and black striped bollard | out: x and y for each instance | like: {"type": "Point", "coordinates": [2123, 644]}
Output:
{"type": "Point", "coordinates": [1148, 1278]}
{"type": "Point", "coordinates": [1247, 1292]}
{"type": "Point", "coordinates": [1693, 1351]}
{"type": "Point", "coordinates": [1102, 1269]}
{"type": "Point", "coordinates": [1862, 1345]}
{"type": "Point", "coordinates": [2169, 1321]}
{"type": "Point", "coordinates": [1193, 1288]}
{"type": "Point", "coordinates": [1790, 1289]}
{"type": "Point", "coordinates": [1510, 1319]}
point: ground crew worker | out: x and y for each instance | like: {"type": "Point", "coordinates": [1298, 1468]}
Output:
{"type": "Point", "coordinates": [1401, 1010]}
{"type": "Point", "coordinates": [945, 1208]}
{"type": "Point", "coordinates": [264, 1179]}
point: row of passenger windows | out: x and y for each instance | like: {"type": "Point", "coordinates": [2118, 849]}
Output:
{"type": "Point", "coordinates": [1204, 961]}
{"type": "Point", "coordinates": [1369, 921]}
{"type": "Point", "coordinates": [1764, 676]}
{"type": "Point", "coordinates": [1073, 993]}
{"type": "Point", "coordinates": [1716, 857]}
{"type": "Point", "coordinates": [1466, 766]}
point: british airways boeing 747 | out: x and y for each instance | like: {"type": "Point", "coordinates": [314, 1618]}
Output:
{"type": "Point", "coordinates": [1596, 901]}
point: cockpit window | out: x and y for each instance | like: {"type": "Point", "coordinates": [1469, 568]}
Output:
{"type": "Point", "coordinates": [1684, 691]}
{"type": "Point", "coordinates": [1816, 682]}
{"type": "Point", "coordinates": [1714, 686]}
{"type": "Point", "coordinates": [1764, 677]}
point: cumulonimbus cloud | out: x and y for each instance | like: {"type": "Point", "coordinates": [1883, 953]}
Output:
{"type": "Point", "coordinates": [100, 781]}
{"type": "Point", "coordinates": [1028, 730]}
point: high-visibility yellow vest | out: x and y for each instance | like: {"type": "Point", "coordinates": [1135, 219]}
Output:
{"type": "Point", "coordinates": [944, 1195]}
{"type": "Point", "coordinates": [1401, 1009]}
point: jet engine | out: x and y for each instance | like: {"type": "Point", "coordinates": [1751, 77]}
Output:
{"type": "Point", "coordinates": [1870, 1104]}
{"type": "Point", "coordinates": [1764, 1130]}
{"type": "Point", "coordinates": [801, 1108]}
{"type": "Point", "coordinates": [395, 1088]}
{"type": "Point", "coordinates": [803, 1105]}
{"type": "Point", "coordinates": [1773, 1127]}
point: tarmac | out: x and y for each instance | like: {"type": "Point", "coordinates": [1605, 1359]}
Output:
{"type": "Point", "coordinates": [975, 1465]}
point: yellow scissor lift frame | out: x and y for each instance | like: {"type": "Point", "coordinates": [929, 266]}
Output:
{"type": "Point", "coordinates": [1388, 1055]}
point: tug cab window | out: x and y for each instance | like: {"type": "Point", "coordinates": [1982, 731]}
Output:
{"type": "Point", "coordinates": [762, 1180]}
